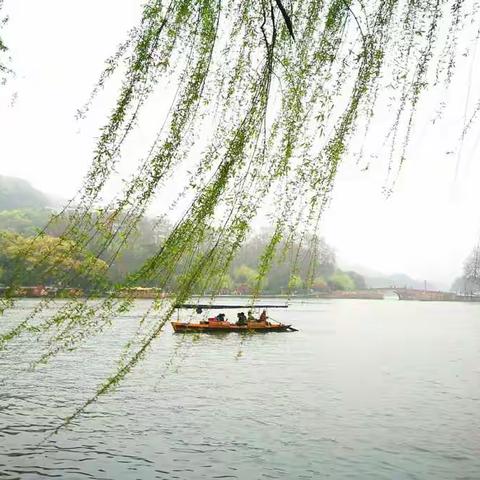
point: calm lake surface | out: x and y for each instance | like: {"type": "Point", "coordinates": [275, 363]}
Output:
{"type": "Point", "coordinates": [365, 390]}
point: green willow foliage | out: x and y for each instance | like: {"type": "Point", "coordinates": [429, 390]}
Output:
{"type": "Point", "coordinates": [265, 98]}
{"type": "Point", "coordinates": [5, 72]}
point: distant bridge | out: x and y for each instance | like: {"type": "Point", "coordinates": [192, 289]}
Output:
{"type": "Point", "coordinates": [402, 294]}
{"type": "Point", "coordinates": [414, 294]}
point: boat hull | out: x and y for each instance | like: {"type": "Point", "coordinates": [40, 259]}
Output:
{"type": "Point", "coordinates": [226, 327]}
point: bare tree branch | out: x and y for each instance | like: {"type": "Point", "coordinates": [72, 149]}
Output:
{"type": "Point", "coordinates": [286, 17]}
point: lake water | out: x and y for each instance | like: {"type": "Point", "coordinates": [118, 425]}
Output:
{"type": "Point", "coordinates": [365, 390]}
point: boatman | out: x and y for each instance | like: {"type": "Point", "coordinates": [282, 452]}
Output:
{"type": "Point", "coordinates": [242, 319]}
{"type": "Point", "coordinates": [263, 317]}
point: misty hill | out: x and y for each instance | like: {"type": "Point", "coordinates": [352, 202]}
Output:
{"type": "Point", "coordinates": [375, 279]}
{"type": "Point", "coordinates": [16, 193]}
{"type": "Point", "coordinates": [399, 280]}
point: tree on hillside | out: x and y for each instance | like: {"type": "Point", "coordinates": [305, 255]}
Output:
{"type": "Point", "coordinates": [27, 221]}
{"type": "Point", "coordinates": [341, 281]}
{"type": "Point", "coordinates": [319, 284]}
{"type": "Point", "coordinates": [42, 261]}
{"type": "Point", "coordinates": [471, 270]}
{"type": "Point", "coordinates": [358, 280]}
{"type": "Point", "coordinates": [295, 283]}
{"type": "Point", "coordinates": [246, 278]}
{"type": "Point", "coordinates": [307, 260]}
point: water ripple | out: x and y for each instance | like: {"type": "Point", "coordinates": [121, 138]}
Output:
{"type": "Point", "coordinates": [361, 391]}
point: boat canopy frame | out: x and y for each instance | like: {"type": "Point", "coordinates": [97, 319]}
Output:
{"type": "Point", "coordinates": [198, 307]}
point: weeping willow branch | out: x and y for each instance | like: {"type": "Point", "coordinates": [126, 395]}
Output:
{"type": "Point", "coordinates": [5, 71]}
{"type": "Point", "coordinates": [263, 102]}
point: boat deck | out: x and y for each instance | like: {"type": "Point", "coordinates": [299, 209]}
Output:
{"type": "Point", "coordinates": [225, 327]}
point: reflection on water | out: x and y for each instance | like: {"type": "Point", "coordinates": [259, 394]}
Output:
{"type": "Point", "coordinates": [365, 390]}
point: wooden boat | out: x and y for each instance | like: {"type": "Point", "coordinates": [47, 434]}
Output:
{"type": "Point", "coordinates": [212, 326]}
{"type": "Point", "coordinates": [216, 325]}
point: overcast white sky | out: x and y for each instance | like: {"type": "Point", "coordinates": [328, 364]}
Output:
{"type": "Point", "coordinates": [425, 229]}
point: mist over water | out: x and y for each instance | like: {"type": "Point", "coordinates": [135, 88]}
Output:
{"type": "Point", "coordinates": [365, 389]}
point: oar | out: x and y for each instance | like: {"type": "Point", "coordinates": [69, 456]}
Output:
{"type": "Point", "coordinates": [289, 327]}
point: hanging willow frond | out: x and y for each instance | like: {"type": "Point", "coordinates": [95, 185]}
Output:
{"type": "Point", "coordinates": [5, 71]}
{"type": "Point", "coordinates": [259, 102]}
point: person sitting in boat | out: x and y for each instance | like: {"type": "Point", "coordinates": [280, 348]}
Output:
{"type": "Point", "coordinates": [250, 316]}
{"type": "Point", "coordinates": [220, 317]}
{"type": "Point", "coordinates": [242, 319]}
{"type": "Point", "coordinates": [263, 317]}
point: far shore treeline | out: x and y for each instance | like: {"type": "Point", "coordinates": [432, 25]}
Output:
{"type": "Point", "coordinates": [24, 212]}
{"type": "Point", "coordinates": [53, 260]}
{"type": "Point", "coordinates": [60, 259]}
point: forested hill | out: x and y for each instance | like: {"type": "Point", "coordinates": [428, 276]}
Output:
{"type": "Point", "coordinates": [24, 211]}
{"type": "Point", "coordinates": [17, 193]}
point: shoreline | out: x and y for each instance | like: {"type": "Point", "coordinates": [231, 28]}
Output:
{"type": "Point", "coordinates": [378, 294]}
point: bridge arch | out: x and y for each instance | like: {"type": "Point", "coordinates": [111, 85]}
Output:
{"type": "Point", "coordinates": [391, 294]}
